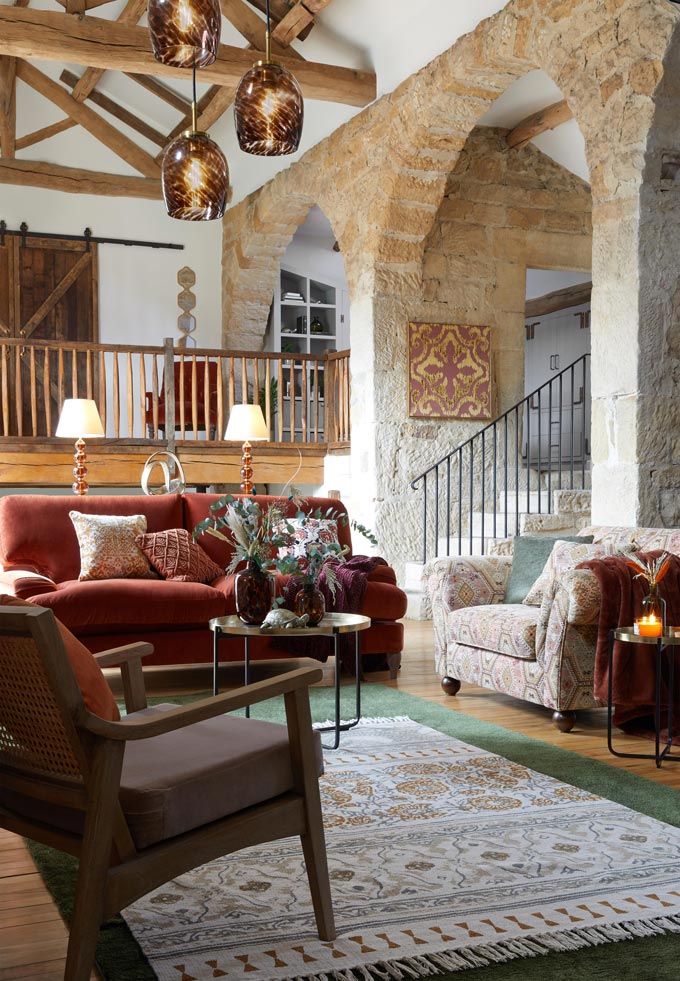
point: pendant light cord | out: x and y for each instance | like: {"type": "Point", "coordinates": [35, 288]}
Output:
{"type": "Point", "coordinates": [194, 120]}
{"type": "Point", "coordinates": [267, 38]}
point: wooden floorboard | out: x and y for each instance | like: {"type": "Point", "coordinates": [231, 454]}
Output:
{"type": "Point", "coordinates": [33, 936]}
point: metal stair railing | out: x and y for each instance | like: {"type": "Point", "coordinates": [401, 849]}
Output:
{"type": "Point", "coordinates": [507, 454]}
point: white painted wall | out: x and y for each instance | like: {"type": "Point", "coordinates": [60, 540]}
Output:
{"type": "Point", "coordinates": [137, 286]}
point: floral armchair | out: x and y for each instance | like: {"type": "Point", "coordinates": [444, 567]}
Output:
{"type": "Point", "coordinates": [542, 654]}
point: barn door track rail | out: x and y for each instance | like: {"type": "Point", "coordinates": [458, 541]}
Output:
{"type": "Point", "coordinates": [87, 237]}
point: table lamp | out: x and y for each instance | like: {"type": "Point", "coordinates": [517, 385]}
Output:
{"type": "Point", "coordinates": [79, 419]}
{"type": "Point", "coordinates": [246, 424]}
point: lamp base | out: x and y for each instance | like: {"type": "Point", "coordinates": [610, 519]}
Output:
{"type": "Point", "coordinates": [246, 470]}
{"type": "Point", "coordinates": [80, 486]}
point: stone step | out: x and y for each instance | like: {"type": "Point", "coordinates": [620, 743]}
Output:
{"type": "Point", "coordinates": [412, 575]}
{"type": "Point", "coordinates": [488, 524]}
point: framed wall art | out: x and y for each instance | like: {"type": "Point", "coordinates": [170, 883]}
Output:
{"type": "Point", "coordinates": [449, 371]}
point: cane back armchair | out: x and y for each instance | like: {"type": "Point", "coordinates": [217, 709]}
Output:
{"type": "Point", "coordinates": [81, 784]}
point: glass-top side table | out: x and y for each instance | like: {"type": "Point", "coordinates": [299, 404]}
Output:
{"type": "Point", "coordinates": [667, 641]}
{"type": "Point", "coordinates": [332, 626]}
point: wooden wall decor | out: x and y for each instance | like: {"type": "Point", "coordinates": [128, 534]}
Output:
{"type": "Point", "coordinates": [449, 369]}
{"type": "Point", "coordinates": [186, 322]}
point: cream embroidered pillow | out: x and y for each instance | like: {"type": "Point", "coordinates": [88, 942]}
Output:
{"type": "Point", "coordinates": [108, 549]}
{"type": "Point", "coordinates": [564, 557]}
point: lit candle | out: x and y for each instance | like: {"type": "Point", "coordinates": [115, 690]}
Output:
{"type": "Point", "coordinates": [649, 626]}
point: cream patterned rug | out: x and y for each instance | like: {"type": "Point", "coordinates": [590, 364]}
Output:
{"type": "Point", "coordinates": [443, 857]}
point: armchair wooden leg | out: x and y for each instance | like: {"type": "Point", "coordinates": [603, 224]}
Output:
{"type": "Point", "coordinates": [95, 857]}
{"type": "Point", "coordinates": [393, 663]}
{"type": "Point", "coordinates": [564, 721]}
{"type": "Point", "coordinates": [450, 685]}
{"type": "Point", "coordinates": [313, 841]}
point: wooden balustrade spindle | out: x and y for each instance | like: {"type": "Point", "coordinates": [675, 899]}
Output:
{"type": "Point", "coordinates": [232, 384]}
{"type": "Point", "coordinates": [220, 400]}
{"type": "Point", "coordinates": [305, 404]}
{"type": "Point", "coordinates": [194, 396]}
{"type": "Point", "coordinates": [267, 394]}
{"type": "Point", "coordinates": [130, 398]}
{"type": "Point", "coordinates": [102, 388]}
{"type": "Point", "coordinates": [279, 395]}
{"type": "Point", "coordinates": [18, 401]}
{"type": "Point", "coordinates": [88, 373]}
{"type": "Point", "coordinates": [116, 396]}
{"type": "Point", "coordinates": [47, 392]}
{"type": "Point", "coordinates": [317, 400]}
{"type": "Point", "coordinates": [291, 400]}
{"type": "Point", "coordinates": [60, 377]}
{"type": "Point", "coordinates": [206, 396]}
{"type": "Point", "coordinates": [5, 392]}
{"type": "Point", "coordinates": [244, 380]}
{"type": "Point", "coordinates": [142, 392]}
{"type": "Point", "coordinates": [34, 392]}
{"type": "Point", "coordinates": [256, 381]}
{"type": "Point", "coordinates": [74, 373]}
{"type": "Point", "coordinates": [154, 395]}
{"type": "Point", "coordinates": [182, 421]}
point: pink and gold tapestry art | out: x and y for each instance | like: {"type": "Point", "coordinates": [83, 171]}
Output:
{"type": "Point", "coordinates": [449, 371]}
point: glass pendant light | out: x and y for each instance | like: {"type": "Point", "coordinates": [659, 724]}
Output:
{"type": "Point", "coordinates": [194, 174]}
{"type": "Point", "coordinates": [185, 32]}
{"type": "Point", "coordinates": [268, 108]}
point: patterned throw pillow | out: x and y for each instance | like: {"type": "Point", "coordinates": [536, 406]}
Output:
{"type": "Point", "coordinates": [308, 530]}
{"type": "Point", "coordinates": [108, 549]}
{"type": "Point", "coordinates": [178, 557]}
{"type": "Point", "coordinates": [564, 557]}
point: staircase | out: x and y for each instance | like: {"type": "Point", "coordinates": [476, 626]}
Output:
{"type": "Point", "coordinates": [527, 472]}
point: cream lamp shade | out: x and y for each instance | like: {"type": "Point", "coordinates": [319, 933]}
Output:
{"type": "Point", "coordinates": [79, 419]}
{"type": "Point", "coordinates": [246, 424]}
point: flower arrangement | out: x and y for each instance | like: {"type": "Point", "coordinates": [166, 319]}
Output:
{"type": "Point", "coordinates": [652, 570]}
{"type": "Point", "coordinates": [318, 551]}
{"type": "Point", "coordinates": [255, 534]}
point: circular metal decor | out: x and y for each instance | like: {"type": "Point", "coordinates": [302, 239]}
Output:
{"type": "Point", "coordinates": [167, 461]}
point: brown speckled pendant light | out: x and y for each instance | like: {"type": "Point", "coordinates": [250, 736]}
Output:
{"type": "Point", "coordinates": [268, 108]}
{"type": "Point", "coordinates": [194, 175]}
{"type": "Point", "coordinates": [185, 33]}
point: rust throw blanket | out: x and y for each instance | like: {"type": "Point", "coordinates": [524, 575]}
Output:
{"type": "Point", "coordinates": [633, 681]}
{"type": "Point", "coordinates": [352, 578]}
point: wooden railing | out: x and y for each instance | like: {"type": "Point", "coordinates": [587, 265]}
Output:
{"type": "Point", "coordinates": [167, 393]}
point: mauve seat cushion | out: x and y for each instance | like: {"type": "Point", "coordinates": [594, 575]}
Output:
{"type": "Point", "coordinates": [184, 779]}
{"type": "Point", "coordinates": [132, 604]}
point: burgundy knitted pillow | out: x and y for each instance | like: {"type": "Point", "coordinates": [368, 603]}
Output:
{"type": "Point", "coordinates": [177, 556]}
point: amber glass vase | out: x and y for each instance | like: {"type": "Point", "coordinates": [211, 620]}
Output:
{"type": "Point", "coordinates": [254, 591]}
{"type": "Point", "coordinates": [654, 605]}
{"type": "Point", "coordinates": [311, 601]}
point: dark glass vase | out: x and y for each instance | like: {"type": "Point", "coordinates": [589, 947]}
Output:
{"type": "Point", "coordinates": [654, 605]}
{"type": "Point", "coordinates": [311, 601]}
{"type": "Point", "coordinates": [254, 594]}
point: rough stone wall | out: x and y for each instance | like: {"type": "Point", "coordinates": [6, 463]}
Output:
{"type": "Point", "coordinates": [381, 178]}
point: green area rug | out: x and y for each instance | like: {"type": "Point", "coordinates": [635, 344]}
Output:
{"type": "Point", "coordinates": [119, 956]}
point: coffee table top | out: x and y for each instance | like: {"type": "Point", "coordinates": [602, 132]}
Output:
{"type": "Point", "coordinates": [332, 623]}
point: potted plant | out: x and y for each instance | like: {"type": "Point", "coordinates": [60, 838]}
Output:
{"type": "Point", "coordinates": [256, 536]}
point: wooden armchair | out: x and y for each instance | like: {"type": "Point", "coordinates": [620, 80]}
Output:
{"type": "Point", "coordinates": [135, 800]}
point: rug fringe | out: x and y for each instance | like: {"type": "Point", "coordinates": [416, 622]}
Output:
{"type": "Point", "coordinates": [424, 965]}
{"type": "Point", "coordinates": [376, 720]}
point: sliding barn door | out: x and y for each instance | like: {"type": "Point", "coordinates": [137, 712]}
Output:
{"type": "Point", "coordinates": [48, 292]}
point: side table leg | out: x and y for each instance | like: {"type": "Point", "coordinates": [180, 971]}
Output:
{"type": "Point", "coordinates": [657, 706]}
{"type": "Point", "coordinates": [336, 656]}
{"type": "Point", "coordinates": [216, 661]}
{"type": "Point", "coordinates": [246, 668]}
{"type": "Point", "coordinates": [357, 676]}
{"type": "Point", "coordinates": [610, 668]}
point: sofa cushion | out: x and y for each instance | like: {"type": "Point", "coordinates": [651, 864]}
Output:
{"type": "Point", "coordinates": [646, 539]}
{"type": "Point", "coordinates": [499, 628]}
{"type": "Point", "coordinates": [176, 556]}
{"type": "Point", "coordinates": [36, 532]}
{"type": "Point", "coordinates": [89, 676]}
{"type": "Point", "coordinates": [94, 607]}
{"type": "Point", "coordinates": [529, 556]}
{"type": "Point", "coordinates": [108, 547]}
{"type": "Point", "coordinates": [184, 779]}
{"type": "Point", "coordinates": [323, 530]}
{"type": "Point", "coordinates": [565, 556]}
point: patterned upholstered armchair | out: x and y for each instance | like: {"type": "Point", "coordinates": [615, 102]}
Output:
{"type": "Point", "coordinates": [542, 654]}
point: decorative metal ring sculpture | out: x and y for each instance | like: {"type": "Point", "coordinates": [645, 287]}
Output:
{"type": "Point", "coordinates": [171, 485]}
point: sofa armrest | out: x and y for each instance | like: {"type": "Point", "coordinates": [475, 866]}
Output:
{"type": "Point", "coordinates": [454, 583]}
{"type": "Point", "coordinates": [25, 583]}
{"type": "Point", "coordinates": [583, 598]}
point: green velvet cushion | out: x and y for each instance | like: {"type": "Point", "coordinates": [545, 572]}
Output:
{"type": "Point", "coordinates": [530, 554]}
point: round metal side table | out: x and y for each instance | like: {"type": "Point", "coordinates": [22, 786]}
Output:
{"type": "Point", "coordinates": [664, 644]}
{"type": "Point", "coordinates": [332, 626]}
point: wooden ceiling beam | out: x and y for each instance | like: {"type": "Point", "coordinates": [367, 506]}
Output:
{"type": "Point", "coordinates": [89, 120]}
{"type": "Point", "coordinates": [8, 106]}
{"type": "Point", "coordinates": [252, 27]}
{"type": "Point", "coordinates": [537, 123]}
{"type": "Point", "coordinates": [38, 135]}
{"type": "Point", "coordinates": [30, 173]}
{"type": "Point", "coordinates": [277, 11]}
{"type": "Point", "coordinates": [87, 4]}
{"type": "Point", "coordinates": [112, 107]}
{"type": "Point", "coordinates": [299, 17]}
{"type": "Point", "coordinates": [104, 44]}
{"type": "Point", "coordinates": [163, 92]}
{"type": "Point", "coordinates": [130, 15]}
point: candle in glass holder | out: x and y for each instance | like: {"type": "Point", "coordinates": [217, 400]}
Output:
{"type": "Point", "coordinates": [649, 626]}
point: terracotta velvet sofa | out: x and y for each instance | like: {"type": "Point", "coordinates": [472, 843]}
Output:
{"type": "Point", "coordinates": [40, 557]}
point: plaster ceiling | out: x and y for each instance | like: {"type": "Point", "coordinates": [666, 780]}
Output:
{"type": "Point", "coordinates": [392, 37]}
